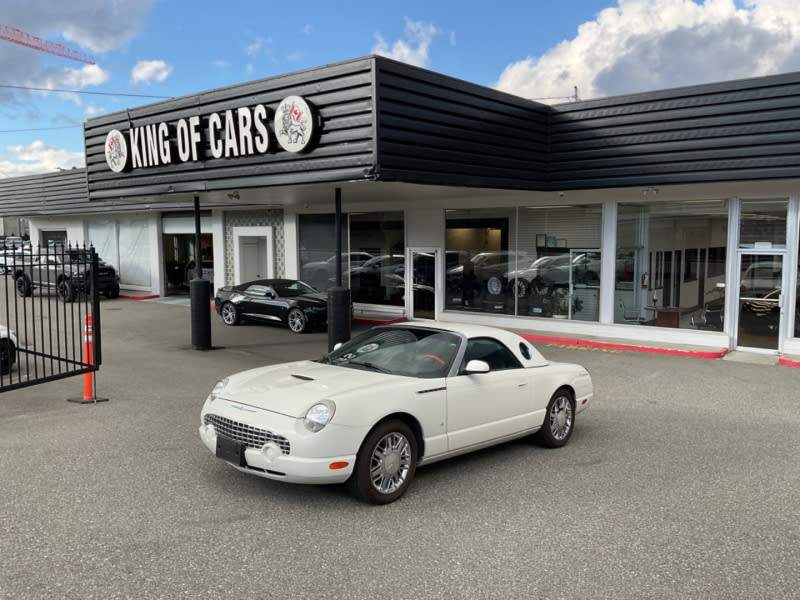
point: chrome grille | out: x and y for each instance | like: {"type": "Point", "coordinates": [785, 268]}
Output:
{"type": "Point", "coordinates": [253, 437]}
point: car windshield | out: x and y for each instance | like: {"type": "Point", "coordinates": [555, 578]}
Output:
{"type": "Point", "coordinates": [290, 289]}
{"type": "Point", "coordinates": [407, 351]}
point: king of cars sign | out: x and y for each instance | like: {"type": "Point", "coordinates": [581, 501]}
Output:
{"type": "Point", "coordinates": [231, 133]}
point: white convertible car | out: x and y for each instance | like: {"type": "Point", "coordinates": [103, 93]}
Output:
{"type": "Point", "coordinates": [389, 400]}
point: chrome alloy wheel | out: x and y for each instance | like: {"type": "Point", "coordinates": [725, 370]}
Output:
{"type": "Point", "coordinates": [230, 314]}
{"type": "Point", "coordinates": [390, 463]}
{"type": "Point", "coordinates": [561, 417]}
{"type": "Point", "coordinates": [296, 320]}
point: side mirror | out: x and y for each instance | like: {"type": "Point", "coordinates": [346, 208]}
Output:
{"type": "Point", "coordinates": [476, 366]}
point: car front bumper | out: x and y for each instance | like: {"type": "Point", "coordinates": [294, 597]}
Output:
{"type": "Point", "coordinates": [314, 458]}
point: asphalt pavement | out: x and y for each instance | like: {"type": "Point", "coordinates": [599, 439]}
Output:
{"type": "Point", "coordinates": [681, 481]}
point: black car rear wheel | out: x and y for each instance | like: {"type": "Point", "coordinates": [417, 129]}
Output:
{"type": "Point", "coordinates": [230, 314]}
{"type": "Point", "coordinates": [66, 291]}
{"type": "Point", "coordinates": [24, 286]}
{"type": "Point", "coordinates": [296, 320]}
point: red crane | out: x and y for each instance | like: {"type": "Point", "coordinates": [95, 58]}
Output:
{"type": "Point", "coordinates": [14, 35]}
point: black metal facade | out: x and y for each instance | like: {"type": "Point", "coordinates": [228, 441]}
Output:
{"type": "Point", "coordinates": [342, 94]}
{"type": "Point", "coordinates": [388, 121]}
{"type": "Point", "coordinates": [50, 194]}
{"type": "Point", "coordinates": [438, 130]}
{"type": "Point", "coordinates": [722, 132]}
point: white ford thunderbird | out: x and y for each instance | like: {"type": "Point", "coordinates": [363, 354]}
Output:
{"type": "Point", "coordinates": [389, 400]}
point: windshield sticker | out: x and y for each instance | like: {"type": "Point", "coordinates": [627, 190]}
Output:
{"type": "Point", "coordinates": [368, 348]}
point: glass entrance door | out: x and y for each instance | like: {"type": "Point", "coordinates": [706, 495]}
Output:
{"type": "Point", "coordinates": [760, 301]}
{"type": "Point", "coordinates": [584, 285]}
{"type": "Point", "coordinates": [421, 284]}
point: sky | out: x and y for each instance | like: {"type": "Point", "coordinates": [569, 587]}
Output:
{"type": "Point", "coordinates": [147, 50]}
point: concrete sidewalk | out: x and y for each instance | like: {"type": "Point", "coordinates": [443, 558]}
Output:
{"type": "Point", "coordinates": [584, 341]}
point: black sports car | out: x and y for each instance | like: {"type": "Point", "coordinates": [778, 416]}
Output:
{"type": "Point", "coordinates": [288, 301]}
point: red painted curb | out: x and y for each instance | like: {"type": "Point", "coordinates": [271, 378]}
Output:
{"type": "Point", "coordinates": [126, 296]}
{"type": "Point", "coordinates": [631, 348]}
{"type": "Point", "coordinates": [377, 322]}
{"type": "Point", "coordinates": [788, 362]}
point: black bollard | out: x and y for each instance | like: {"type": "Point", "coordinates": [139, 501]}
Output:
{"type": "Point", "coordinates": [200, 298]}
{"type": "Point", "coordinates": [339, 316]}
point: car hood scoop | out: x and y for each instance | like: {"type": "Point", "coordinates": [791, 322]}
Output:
{"type": "Point", "coordinates": [303, 377]}
{"type": "Point", "coordinates": [292, 388]}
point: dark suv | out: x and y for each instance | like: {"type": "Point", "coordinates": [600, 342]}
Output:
{"type": "Point", "coordinates": [68, 270]}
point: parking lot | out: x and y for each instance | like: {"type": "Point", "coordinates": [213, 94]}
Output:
{"type": "Point", "coordinates": [681, 481]}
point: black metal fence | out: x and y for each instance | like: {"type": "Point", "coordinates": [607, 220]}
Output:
{"type": "Point", "coordinates": [50, 314]}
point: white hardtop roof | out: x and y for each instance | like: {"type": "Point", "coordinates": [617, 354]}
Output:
{"type": "Point", "coordinates": [509, 338]}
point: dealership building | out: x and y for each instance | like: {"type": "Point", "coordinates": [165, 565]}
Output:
{"type": "Point", "coordinates": [670, 217]}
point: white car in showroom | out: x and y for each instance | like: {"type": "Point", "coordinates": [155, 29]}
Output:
{"type": "Point", "coordinates": [389, 400]}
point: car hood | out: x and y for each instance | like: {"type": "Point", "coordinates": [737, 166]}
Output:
{"type": "Point", "coordinates": [292, 388]}
{"type": "Point", "coordinates": [320, 298]}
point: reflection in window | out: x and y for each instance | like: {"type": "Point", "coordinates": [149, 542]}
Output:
{"type": "Point", "coordinates": [530, 261]}
{"type": "Point", "coordinates": [317, 235]}
{"type": "Point", "coordinates": [691, 265]}
{"type": "Point", "coordinates": [670, 258]}
{"type": "Point", "coordinates": [373, 266]}
{"type": "Point", "coordinates": [763, 224]}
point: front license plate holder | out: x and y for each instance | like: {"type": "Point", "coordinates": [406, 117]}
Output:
{"type": "Point", "coordinates": [231, 451]}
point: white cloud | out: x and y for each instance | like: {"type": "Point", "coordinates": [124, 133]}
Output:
{"type": "Point", "coordinates": [414, 48]}
{"type": "Point", "coordinates": [222, 64]}
{"type": "Point", "coordinates": [38, 157]}
{"type": "Point", "coordinates": [93, 25]}
{"type": "Point", "coordinates": [307, 29]}
{"type": "Point", "coordinates": [147, 71]}
{"type": "Point", "coordinates": [257, 46]}
{"type": "Point", "coordinates": [642, 45]}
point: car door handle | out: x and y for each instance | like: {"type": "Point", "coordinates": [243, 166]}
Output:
{"type": "Point", "coordinates": [523, 383]}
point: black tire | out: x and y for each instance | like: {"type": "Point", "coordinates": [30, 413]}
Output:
{"type": "Point", "coordinates": [559, 420]}
{"type": "Point", "coordinates": [113, 292]}
{"type": "Point", "coordinates": [66, 291]}
{"type": "Point", "coordinates": [8, 355]}
{"type": "Point", "coordinates": [24, 286]}
{"type": "Point", "coordinates": [230, 314]}
{"type": "Point", "coordinates": [296, 320]}
{"type": "Point", "coordinates": [522, 289]}
{"type": "Point", "coordinates": [385, 464]}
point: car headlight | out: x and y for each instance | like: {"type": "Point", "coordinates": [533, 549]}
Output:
{"type": "Point", "coordinates": [319, 415]}
{"type": "Point", "coordinates": [217, 390]}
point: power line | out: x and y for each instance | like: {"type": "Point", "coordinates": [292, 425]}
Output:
{"type": "Point", "coordinates": [36, 89]}
{"type": "Point", "coordinates": [39, 129]}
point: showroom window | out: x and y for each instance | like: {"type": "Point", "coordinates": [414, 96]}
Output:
{"type": "Point", "coordinates": [670, 264]}
{"type": "Point", "coordinates": [377, 251]}
{"type": "Point", "coordinates": [526, 261]}
{"type": "Point", "coordinates": [317, 235]}
{"type": "Point", "coordinates": [797, 295]}
{"type": "Point", "coordinates": [373, 254]}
